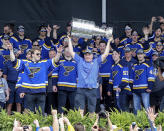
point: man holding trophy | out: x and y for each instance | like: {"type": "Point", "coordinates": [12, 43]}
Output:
{"type": "Point", "coordinates": [87, 67]}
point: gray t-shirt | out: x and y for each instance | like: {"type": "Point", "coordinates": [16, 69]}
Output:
{"type": "Point", "coordinates": [3, 88]}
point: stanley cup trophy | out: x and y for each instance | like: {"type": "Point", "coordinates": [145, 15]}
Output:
{"type": "Point", "coordinates": [88, 29]}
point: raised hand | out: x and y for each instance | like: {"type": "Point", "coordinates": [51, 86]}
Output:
{"type": "Point", "coordinates": [153, 19]}
{"type": "Point", "coordinates": [65, 119]}
{"type": "Point", "coordinates": [145, 31]}
{"type": "Point", "coordinates": [48, 29]}
{"type": "Point", "coordinates": [56, 27]}
{"type": "Point", "coordinates": [54, 112]}
{"type": "Point", "coordinates": [161, 19]}
{"type": "Point", "coordinates": [110, 39]}
{"type": "Point", "coordinates": [151, 115]}
{"type": "Point", "coordinates": [10, 47]}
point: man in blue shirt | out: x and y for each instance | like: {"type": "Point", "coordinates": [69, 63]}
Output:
{"type": "Point", "coordinates": [88, 69]}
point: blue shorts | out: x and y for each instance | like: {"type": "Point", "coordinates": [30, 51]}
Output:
{"type": "Point", "coordinates": [85, 94]}
{"type": "Point", "coordinates": [13, 96]}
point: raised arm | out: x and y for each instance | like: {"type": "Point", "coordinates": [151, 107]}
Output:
{"type": "Point", "coordinates": [48, 31]}
{"type": "Point", "coordinates": [153, 19]}
{"type": "Point", "coordinates": [55, 28]}
{"type": "Point", "coordinates": [59, 53]}
{"type": "Point", "coordinates": [61, 123]}
{"type": "Point", "coordinates": [95, 126]}
{"type": "Point", "coordinates": [109, 122]}
{"type": "Point", "coordinates": [70, 47]}
{"type": "Point", "coordinates": [55, 123]}
{"type": "Point", "coordinates": [108, 47]}
{"type": "Point", "coordinates": [151, 117]}
{"type": "Point", "coordinates": [146, 32]}
{"type": "Point", "coordinates": [12, 56]}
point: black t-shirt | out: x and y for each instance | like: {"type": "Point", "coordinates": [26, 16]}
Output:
{"type": "Point", "coordinates": [159, 87]}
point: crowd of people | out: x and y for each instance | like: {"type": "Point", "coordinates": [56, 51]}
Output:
{"type": "Point", "coordinates": [58, 70]}
{"type": "Point", "coordinates": [58, 124]}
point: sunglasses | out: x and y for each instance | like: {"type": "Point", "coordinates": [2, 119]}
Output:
{"type": "Point", "coordinates": [38, 54]}
{"type": "Point", "coordinates": [6, 39]}
{"type": "Point", "coordinates": [35, 45]}
{"type": "Point", "coordinates": [43, 31]}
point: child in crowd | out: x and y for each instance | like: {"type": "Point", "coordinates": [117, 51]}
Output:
{"type": "Point", "coordinates": [4, 92]}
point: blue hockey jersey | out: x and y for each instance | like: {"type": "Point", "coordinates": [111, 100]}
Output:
{"type": "Point", "coordinates": [153, 43]}
{"type": "Point", "coordinates": [106, 65]}
{"type": "Point", "coordinates": [151, 51]}
{"type": "Point", "coordinates": [12, 40]}
{"type": "Point", "coordinates": [143, 77]}
{"type": "Point", "coordinates": [23, 45]}
{"type": "Point", "coordinates": [125, 40]}
{"type": "Point", "coordinates": [35, 76]}
{"type": "Point", "coordinates": [4, 56]}
{"type": "Point", "coordinates": [119, 78]}
{"type": "Point", "coordinates": [66, 73]}
{"type": "Point", "coordinates": [135, 47]}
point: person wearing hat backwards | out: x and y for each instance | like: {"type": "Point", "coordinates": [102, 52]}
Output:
{"type": "Point", "coordinates": [23, 42]}
{"type": "Point", "coordinates": [143, 82]}
{"type": "Point", "coordinates": [88, 69]}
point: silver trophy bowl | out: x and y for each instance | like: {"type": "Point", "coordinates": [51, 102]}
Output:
{"type": "Point", "coordinates": [88, 29]}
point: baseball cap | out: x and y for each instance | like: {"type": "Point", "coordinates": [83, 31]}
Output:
{"type": "Point", "coordinates": [140, 51]}
{"type": "Point", "coordinates": [88, 51]}
{"type": "Point", "coordinates": [20, 28]}
{"type": "Point", "coordinates": [128, 28]}
{"type": "Point", "coordinates": [6, 37]}
{"type": "Point", "coordinates": [127, 49]}
{"type": "Point", "coordinates": [155, 53]}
